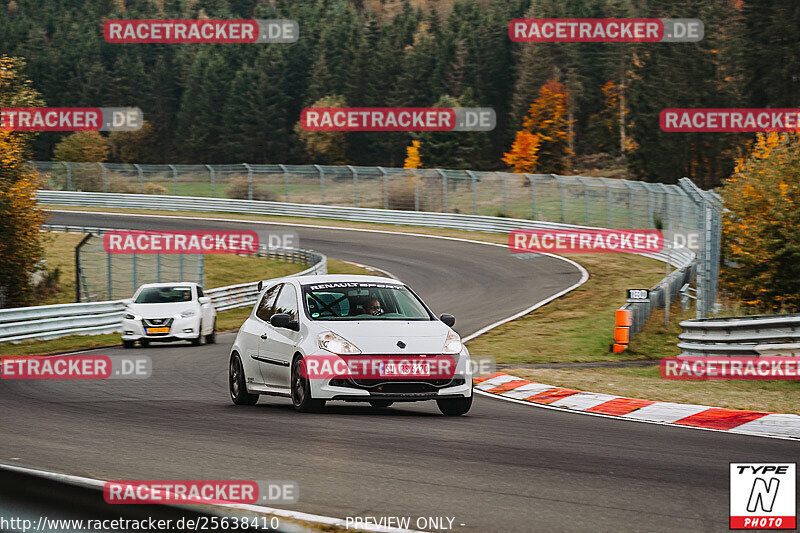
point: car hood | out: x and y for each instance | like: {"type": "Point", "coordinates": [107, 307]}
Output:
{"type": "Point", "coordinates": [381, 337]}
{"type": "Point", "coordinates": [160, 310]}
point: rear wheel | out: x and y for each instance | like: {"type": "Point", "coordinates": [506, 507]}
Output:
{"type": "Point", "coordinates": [380, 403]}
{"type": "Point", "coordinates": [301, 391]}
{"type": "Point", "coordinates": [454, 406]}
{"type": "Point", "coordinates": [237, 383]}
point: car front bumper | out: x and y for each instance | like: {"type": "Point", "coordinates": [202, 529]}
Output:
{"type": "Point", "coordinates": [180, 329]}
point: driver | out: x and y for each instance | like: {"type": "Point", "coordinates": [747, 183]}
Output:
{"type": "Point", "coordinates": [373, 307]}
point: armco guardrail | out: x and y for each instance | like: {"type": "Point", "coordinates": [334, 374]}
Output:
{"type": "Point", "coordinates": [679, 258]}
{"type": "Point", "coordinates": [53, 321]}
{"type": "Point", "coordinates": [741, 336]}
{"type": "Point", "coordinates": [682, 258]}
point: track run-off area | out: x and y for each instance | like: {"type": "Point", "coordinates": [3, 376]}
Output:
{"type": "Point", "coordinates": [502, 467]}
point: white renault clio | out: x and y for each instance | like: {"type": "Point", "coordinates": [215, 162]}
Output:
{"type": "Point", "coordinates": [167, 312]}
{"type": "Point", "coordinates": [350, 338]}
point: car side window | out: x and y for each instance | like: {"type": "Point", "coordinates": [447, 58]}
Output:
{"type": "Point", "coordinates": [287, 301]}
{"type": "Point", "coordinates": [200, 292]}
{"type": "Point", "coordinates": [264, 311]}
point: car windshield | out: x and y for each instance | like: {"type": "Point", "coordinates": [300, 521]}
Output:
{"type": "Point", "coordinates": [362, 301]}
{"type": "Point", "coordinates": [164, 295]}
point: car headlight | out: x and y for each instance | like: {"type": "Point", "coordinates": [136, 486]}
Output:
{"type": "Point", "coordinates": [332, 342]}
{"type": "Point", "coordinates": [131, 316]}
{"type": "Point", "coordinates": [453, 344]}
{"type": "Point", "coordinates": [185, 314]}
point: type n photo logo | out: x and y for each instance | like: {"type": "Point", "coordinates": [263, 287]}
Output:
{"type": "Point", "coordinates": [763, 496]}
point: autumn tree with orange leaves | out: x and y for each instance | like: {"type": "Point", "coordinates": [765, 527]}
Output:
{"type": "Point", "coordinates": [524, 154]}
{"type": "Point", "coordinates": [548, 129]}
{"type": "Point", "coordinates": [761, 230]}
{"type": "Point", "coordinates": [20, 237]}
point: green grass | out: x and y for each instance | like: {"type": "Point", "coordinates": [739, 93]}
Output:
{"type": "Point", "coordinates": [579, 326]}
{"type": "Point", "coordinates": [655, 342]}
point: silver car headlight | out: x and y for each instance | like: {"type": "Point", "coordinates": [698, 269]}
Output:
{"type": "Point", "coordinates": [453, 344]}
{"type": "Point", "coordinates": [334, 343]}
{"type": "Point", "coordinates": [185, 314]}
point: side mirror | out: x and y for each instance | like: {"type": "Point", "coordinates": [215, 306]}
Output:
{"type": "Point", "coordinates": [282, 320]}
{"type": "Point", "coordinates": [449, 320]}
{"type": "Point", "coordinates": [260, 285]}
{"type": "Point", "coordinates": [204, 300]}
{"type": "Point", "coordinates": [127, 301]}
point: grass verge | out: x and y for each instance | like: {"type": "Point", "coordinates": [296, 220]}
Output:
{"type": "Point", "coordinates": [655, 342]}
{"type": "Point", "coordinates": [578, 326]}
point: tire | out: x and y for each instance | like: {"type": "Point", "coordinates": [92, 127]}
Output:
{"type": "Point", "coordinates": [211, 338]}
{"type": "Point", "coordinates": [454, 406]}
{"type": "Point", "coordinates": [380, 404]}
{"type": "Point", "coordinates": [128, 344]}
{"type": "Point", "coordinates": [301, 391]}
{"type": "Point", "coordinates": [199, 339]}
{"type": "Point", "coordinates": [237, 383]}
{"type": "Point", "coordinates": [144, 343]}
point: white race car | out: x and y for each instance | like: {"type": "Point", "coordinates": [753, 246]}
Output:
{"type": "Point", "coordinates": [351, 338]}
{"type": "Point", "coordinates": [167, 312]}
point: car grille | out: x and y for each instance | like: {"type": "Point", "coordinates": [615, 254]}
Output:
{"type": "Point", "coordinates": [157, 323]}
{"type": "Point", "coordinates": [398, 386]}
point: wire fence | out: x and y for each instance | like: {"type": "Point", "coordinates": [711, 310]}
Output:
{"type": "Point", "coordinates": [602, 202]}
{"type": "Point", "coordinates": [578, 200]}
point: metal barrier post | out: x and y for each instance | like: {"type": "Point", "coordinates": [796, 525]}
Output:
{"type": "Point", "coordinates": [69, 176]}
{"type": "Point", "coordinates": [103, 177]}
{"type": "Point", "coordinates": [444, 189]}
{"type": "Point", "coordinates": [355, 185]}
{"type": "Point", "coordinates": [213, 184]}
{"type": "Point", "coordinates": [78, 266]}
{"type": "Point", "coordinates": [561, 196]}
{"type": "Point", "coordinates": [505, 193]}
{"type": "Point", "coordinates": [249, 183]}
{"type": "Point", "coordinates": [321, 183]}
{"type": "Point", "coordinates": [141, 177]}
{"type": "Point", "coordinates": [110, 277]}
{"type": "Point", "coordinates": [174, 179]}
{"type": "Point", "coordinates": [474, 192]}
{"type": "Point", "coordinates": [285, 181]}
{"type": "Point", "coordinates": [385, 188]}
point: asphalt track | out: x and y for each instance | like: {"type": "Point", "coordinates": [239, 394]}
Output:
{"type": "Point", "coordinates": [503, 467]}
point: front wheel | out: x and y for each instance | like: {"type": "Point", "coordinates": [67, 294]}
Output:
{"type": "Point", "coordinates": [301, 391]}
{"type": "Point", "coordinates": [211, 338]}
{"type": "Point", "coordinates": [454, 406]}
{"type": "Point", "coordinates": [380, 403]}
{"type": "Point", "coordinates": [127, 344]}
{"type": "Point", "coordinates": [236, 383]}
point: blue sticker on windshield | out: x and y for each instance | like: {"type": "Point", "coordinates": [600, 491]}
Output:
{"type": "Point", "coordinates": [314, 315]}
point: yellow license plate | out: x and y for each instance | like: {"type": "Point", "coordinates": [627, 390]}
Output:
{"type": "Point", "coordinates": [157, 330]}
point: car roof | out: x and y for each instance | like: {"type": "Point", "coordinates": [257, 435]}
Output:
{"type": "Point", "coordinates": [173, 284]}
{"type": "Point", "coordinates": [334, 278]}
